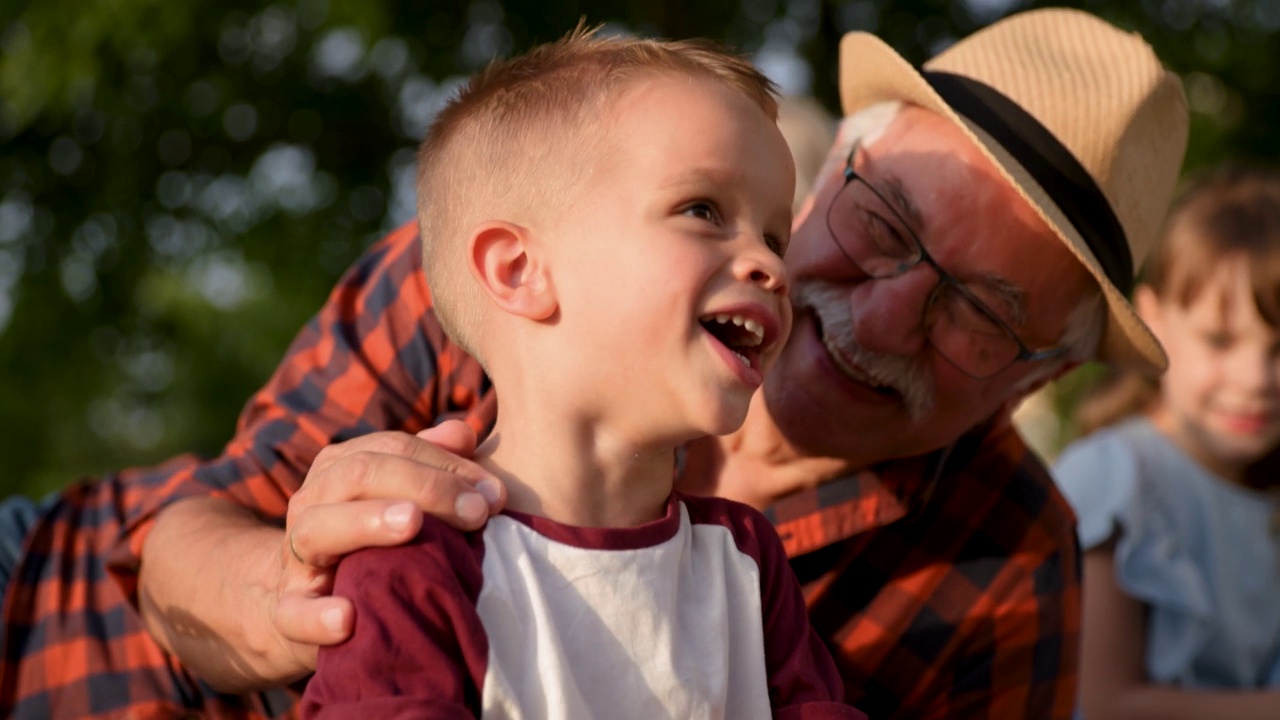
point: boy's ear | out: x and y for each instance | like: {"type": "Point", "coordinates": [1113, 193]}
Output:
{"type": "Point", "coordinates": [505, 261]}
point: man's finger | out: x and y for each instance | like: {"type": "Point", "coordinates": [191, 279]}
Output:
{"type": "Point", "coordinates": [437, 488]}
{"type": "Point", "coordinates": [458, 442]}
{"type": "Point", "coordinates": [308, 621]}
{"type": "Point", "coordinates": [360, 468]}
{"type": "Point", "coordinates": [322, 534]}
{"type": "Point", "coordinates": [454, 436]}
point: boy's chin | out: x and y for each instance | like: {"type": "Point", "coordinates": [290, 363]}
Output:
{"type": "Point", "coordinates": [727, 421]}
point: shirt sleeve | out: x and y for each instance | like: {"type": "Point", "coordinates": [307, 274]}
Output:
{"type": "Point", "coordinates": [1127, 483]}
{"type": "Point", "coordinates": [803, 680]}
{"type": "Point", "coordinates": [418, 649]}
{"type": "Point", "coordinates": [1099, 477]}
{"type": "Point", "coordinates": [372, 359]}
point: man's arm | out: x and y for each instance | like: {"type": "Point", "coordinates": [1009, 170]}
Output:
{"type": "Point", "coordinates": [221, 588]}
{"type": "Point", "coordinates": [218, 572]}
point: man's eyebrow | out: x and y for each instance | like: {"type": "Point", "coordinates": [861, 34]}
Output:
{"type": "Point", "coordinates": [907, 209]}
{"type": "Point", "coordinates": [1013, 297]}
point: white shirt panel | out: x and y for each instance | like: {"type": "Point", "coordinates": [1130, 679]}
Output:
{"type": "Point", "coordinates": [653, 600]}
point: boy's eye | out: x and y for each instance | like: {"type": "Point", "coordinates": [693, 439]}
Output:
{"type": "Point", "coordinates": [776, 244]}
{"type": "Point", "coordinates": [703, 211]}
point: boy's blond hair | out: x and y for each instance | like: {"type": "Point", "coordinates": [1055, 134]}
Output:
{"type": "Point", "coordinates": [519, 135]}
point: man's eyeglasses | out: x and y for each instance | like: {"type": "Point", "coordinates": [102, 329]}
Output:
{"type": "Point", "coordinates": [959, 320]}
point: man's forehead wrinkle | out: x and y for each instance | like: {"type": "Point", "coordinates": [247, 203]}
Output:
{"type": "Point", "coordinates": [1011, 295]}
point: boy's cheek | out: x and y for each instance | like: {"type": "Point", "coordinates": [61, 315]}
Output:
{"type": "Point", "coordinates": [805, 208]}
{"type": "Point", "coordinates": [784, 333]}
{"type": "Point", "coordinates": [788, 317]}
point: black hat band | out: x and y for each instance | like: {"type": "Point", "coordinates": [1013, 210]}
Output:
{"type": "Point", "coordinates": [1050, 163]}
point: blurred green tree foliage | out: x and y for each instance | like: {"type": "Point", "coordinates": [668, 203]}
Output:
{"type": "Point", "coordinates": [181, 183]}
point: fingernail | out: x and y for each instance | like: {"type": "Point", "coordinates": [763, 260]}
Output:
{"type": "Point", "coordinates": [490, 489]}
{"type": "Point", "coordinates": [397, 516]}
{"type": "Point", "coordinates": [332, 619]}
{"type": "Point", "coordinates": [471, 507]}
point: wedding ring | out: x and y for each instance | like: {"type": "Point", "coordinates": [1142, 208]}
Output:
{"type": "Point", "coordinates": [294, 549]}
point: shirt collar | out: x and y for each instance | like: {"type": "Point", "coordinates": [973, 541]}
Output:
{"type": "Point", "coordinates": [864, 500]}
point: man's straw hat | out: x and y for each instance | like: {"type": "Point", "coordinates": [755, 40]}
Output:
{"type": "Point", "coordinates": [1081, 118]}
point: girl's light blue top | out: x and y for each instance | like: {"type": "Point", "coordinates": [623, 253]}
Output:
{"type": "Point", "coordinates": [1197, 550]}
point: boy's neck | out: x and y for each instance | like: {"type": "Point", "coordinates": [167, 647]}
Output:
{"type": "Point", "coordinates": [755, 465]}
{"type": "Point", "coordinates": [573, 471]}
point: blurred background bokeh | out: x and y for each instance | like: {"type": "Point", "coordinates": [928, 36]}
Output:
{"type": "Point", "coordinates": [182, 182]}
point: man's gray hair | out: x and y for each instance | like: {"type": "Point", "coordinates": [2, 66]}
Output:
{"type": "Point", "coordinates": [865, 126]}
{"type": "Point", "coordinates": [1082, 336]}
{"type": "Point", "coordinates": [868, 124]}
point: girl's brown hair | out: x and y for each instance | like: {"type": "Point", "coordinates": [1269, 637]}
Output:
{"type": "Point", "coordinates": [1228, 211]}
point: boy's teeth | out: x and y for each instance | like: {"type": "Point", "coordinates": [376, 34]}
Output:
{"type": "Point", "coordinates": [751, 326]}
{"type": "Point", "coordinates": [743, 358]}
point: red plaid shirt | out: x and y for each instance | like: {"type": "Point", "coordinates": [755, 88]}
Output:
{"type": "Point", "coordinates": [946, 586]}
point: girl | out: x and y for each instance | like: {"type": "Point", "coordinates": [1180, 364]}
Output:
{"type": "Point", "coordinates": [1176, 501]}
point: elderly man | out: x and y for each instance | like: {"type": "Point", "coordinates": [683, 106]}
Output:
{"type": "Point", "coordinates": [972, 237]}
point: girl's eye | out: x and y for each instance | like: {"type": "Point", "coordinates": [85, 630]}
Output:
{"type": "Point", "coordinates": [776, 244]}
{"type": "Point", "coordinates": [703, 211]}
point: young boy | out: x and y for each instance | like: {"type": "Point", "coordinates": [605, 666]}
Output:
{"type": "Point", "coordinates": [603, 221]}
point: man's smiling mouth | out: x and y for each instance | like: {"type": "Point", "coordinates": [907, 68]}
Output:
{"type": "Point", "coordinates": [845, 365]}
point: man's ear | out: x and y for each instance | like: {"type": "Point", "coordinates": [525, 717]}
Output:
{"type": "Point", "coordinates": [504, 260]}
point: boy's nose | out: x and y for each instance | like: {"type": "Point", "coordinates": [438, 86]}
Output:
{"type": "Point", "coordinates": [763, 267]}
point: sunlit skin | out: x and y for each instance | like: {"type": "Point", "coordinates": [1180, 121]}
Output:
{"type": "Point", "coordinates": [977, 227]}
{"type": "Point", "coordinates": [1220, 399]}
{"type": "Point", "coordinates": [807, 424]}
{"type": "Point", "coordinates": [683, 216]}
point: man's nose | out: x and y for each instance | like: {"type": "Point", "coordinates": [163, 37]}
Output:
{"type": "Point", "coordinates": [888, 315]}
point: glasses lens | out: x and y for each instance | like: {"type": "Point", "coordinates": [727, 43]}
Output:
{"type": "Point", "coordinates": [963, 328]}
{"type": "Point", "coordinates": [870, 231]}
{"type": "Point", "coordinates": [967, 334]}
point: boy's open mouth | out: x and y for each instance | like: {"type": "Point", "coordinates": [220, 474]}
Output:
{"type": "Point", "coordinates": [743, 336]}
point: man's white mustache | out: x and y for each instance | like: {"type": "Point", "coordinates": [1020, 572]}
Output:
{"type": "Point", "coordinates": [830, 303]}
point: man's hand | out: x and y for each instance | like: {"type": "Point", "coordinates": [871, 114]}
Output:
{"type": "Point", "coordinates": [244, 605]}
{"type": "Point", "coordinates": [371, 492]}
